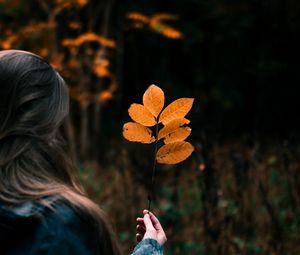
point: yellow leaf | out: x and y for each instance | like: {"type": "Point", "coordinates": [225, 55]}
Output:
{"type": "Point", "coordinates": [135, 132]}
{"type": "Point", "coordinates": [171, 127]}
{"type": "Point", "coordinates": [178, 135]}
{"type": "Point", "coordinates": [140, 114]}
{"type": "Point", "coordinates": [154, 99]}
{"type": "Point", "coordinates": [176, 110]}
{"type": "Point", "coordinates": [174, 153]}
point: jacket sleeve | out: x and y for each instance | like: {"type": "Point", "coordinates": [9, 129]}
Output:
{"type": "Point", "coordinates": [148, 247]}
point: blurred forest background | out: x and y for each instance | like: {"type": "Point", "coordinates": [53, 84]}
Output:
{"type": "Point", "coordinates": [239, 192]}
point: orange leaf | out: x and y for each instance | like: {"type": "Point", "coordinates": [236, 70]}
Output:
{"type": "Point", "coordinates": [82, 3]}
{"type": "Point", "coordinates": [140, 114]}
{"type": "Point", "coordinates": [154, 99]}
{"type": "Point", "coordinates": [171, 127]}
{"type": "Point", "coordinates": [137, 16]}
{"type": "Point", "coordinates": [89, 37]}
{"type": "Point", "coordinates": [135, 132]}
{"type": "Point", "coordinates": [174, 153]}
{"type": "Point", "coordinates": [176, 110]}
{"type": "Point", "coordinates": [74, 25]}
{"type": "Point", "coordinates": [101, 71]}
{"type": "Point", "coordinates": [165, 16]}
{"type": "Point", "coordinates": [171, 33]}
{"type": "Point", "coordinates": [178, 135]}
{"type": "Point", "coordinates": [105, 96]}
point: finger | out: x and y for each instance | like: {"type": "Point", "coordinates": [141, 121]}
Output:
{"type": "Point", "coordinates": [139, 219]}
{"type": "Point", "coordinates": [141, 222]}
{"type": "Point", "coordinates": [148, 222]}
{"type": "Point", "coordinates": [154, 220]}
{"type": "Point", "coordinates": [140, 229]}
{"type": "Point", "coordinates": [138, 237]}
{"type": "Point", "coordinates": [142, 233]}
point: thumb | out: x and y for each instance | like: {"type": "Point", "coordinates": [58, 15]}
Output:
{"type": "Point", "coordinates": [148, 222]}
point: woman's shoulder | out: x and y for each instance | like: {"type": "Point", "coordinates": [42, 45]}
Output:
{"type": "Point", "coordinates": [27, 209]}
{"type": "Point", "coordinates": [44, 209]}
{"type": "Point", "coordinates": [51, 222]}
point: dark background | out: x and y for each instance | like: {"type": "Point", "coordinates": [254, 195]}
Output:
{"type": "Point", "coordinates": [238, 59]}
{"type": "Point", "coordinates": [239, 191]}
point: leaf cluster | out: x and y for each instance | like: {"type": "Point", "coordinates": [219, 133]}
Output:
{"type": "Point", "coordinates": [173, 131]}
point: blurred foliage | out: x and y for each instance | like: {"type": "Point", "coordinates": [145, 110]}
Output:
{"type": "Point", "coordinates": [246, 201]}
{"type": "Point", "coordinates": [239, 192]}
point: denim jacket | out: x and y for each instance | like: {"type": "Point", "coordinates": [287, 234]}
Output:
{"type": "Point", "coordinates": [148, 247]}
{"type": "Point", "coordinates": [33, 229]}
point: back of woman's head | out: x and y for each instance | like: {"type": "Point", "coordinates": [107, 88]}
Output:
{"type": "Point", "coordinates": [34, 159]}
{"type": "Point", "coordinates": [33, 97]}
{"type": "Point", "coordinates": [33, 104]}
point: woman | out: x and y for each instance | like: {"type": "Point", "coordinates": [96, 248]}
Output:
{"type": "Point", "coordinates": [43, 210]}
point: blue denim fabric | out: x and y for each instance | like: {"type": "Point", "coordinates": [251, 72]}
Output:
{"type": "Point", "coordinates": [34, 229]}
{"type": "Point", "coordinates": [148, 247]}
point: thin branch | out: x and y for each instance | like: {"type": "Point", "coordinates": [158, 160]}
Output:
{"type": "Point", "coordinates": [153, 169]}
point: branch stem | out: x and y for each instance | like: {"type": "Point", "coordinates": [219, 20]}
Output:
{"type": "Point", "coordinates": [153, 169]}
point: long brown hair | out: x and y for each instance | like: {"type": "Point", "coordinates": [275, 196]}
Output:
{"type": "Point", "coordinates": [34, 158]}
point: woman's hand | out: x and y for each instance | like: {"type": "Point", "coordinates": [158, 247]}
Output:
{"type": "Point", "coordinates": [150, 227]}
